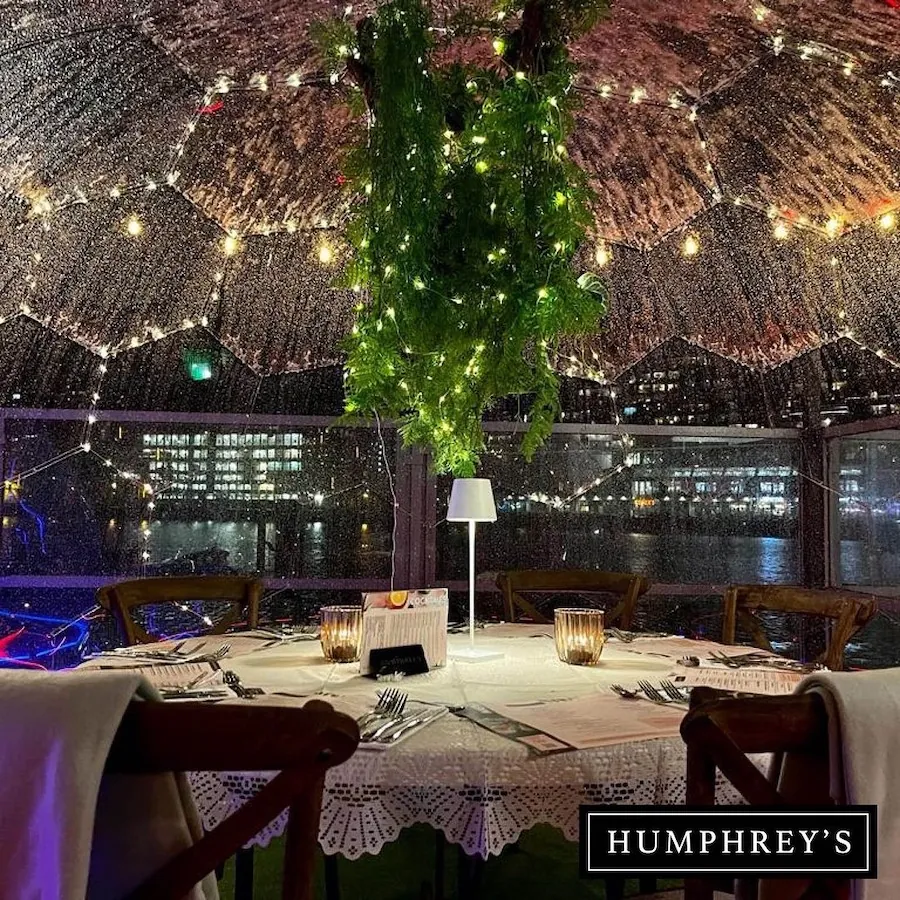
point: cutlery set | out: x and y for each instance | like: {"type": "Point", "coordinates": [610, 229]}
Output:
{"type": "Point", "coordinates": [626, 637]}
{"type": "Point", "coordinates": [165, 657]}
{"type": "Point", "coordinates": [387, 722]}
{"type": "Point", "coordinates": [758, 659]}
{"type": "Point", "coordinates": [274, 637]}
{"type": "Point", "coordinates": [666, 694]}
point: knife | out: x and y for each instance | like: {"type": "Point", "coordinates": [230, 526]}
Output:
{"type": "Point", "coordinates": [392, 736]}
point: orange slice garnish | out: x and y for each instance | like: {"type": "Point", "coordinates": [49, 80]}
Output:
{"type": "Point", "coordinates": [397, 599]}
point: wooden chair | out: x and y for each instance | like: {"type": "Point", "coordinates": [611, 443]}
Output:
{"type": "Point", "coordinates": [720, 730]}
{"type": "Point", "coordinates": [848, 611]}
{"type": "Point", "coordinates": [301, 744]}
{"type": "Point", "coordinates": [626, 586]}
{"type": "Point", "coordinates": [241, 592]}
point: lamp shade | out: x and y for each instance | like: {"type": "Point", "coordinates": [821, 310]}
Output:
{"type": "Point", "coordinates": [471, 500]}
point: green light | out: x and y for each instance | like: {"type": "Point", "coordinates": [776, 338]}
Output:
{"type": "Point", "coordinates": [199, 367]}
{"type": "Point", "coordinates": [201, 371]}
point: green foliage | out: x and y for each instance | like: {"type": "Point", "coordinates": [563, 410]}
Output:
{"type": "Point", "coordinates": [464, 247]}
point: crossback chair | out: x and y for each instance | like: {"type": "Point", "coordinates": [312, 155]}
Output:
{"type": "Point", "coordinates": [301, 744]}
{"type": "Point", "coordinates": [847, 611]}
{"type": "Point", "coordinates": [720, 731]}
{"type": "Point", "coordinates": [627, 587]}
{"type": "Point", "coordinates": [242, 593]}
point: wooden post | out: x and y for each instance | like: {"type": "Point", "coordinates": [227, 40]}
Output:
{"type": "Point", "coordinates": [814, 507]}
{"type": "Point", "coordinates": [414, 553]}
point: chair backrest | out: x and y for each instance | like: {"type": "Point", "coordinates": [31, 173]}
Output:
{"type": "Point", "coordinates": [626, 586]}
{"type": "Point", "coordinates": [848, 611]}
{"type": "Point", "coordinates": [241, 592]}
{"type": "Point", "coordinates": [720, 730]}
{"type": "Point", "coordinates": [301, 744]}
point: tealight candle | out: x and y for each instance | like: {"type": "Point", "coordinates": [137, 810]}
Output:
{"type": "Point", "coordinates": [579, 635]}
{"type": "Point", "coordinates": [341, 633]}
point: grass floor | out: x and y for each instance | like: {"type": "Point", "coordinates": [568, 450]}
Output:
{"type": "Point", "coordinates": [544, 865]}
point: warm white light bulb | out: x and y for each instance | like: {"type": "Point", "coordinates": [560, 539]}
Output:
{"type": "Point", "coordinates": [691, 246]}
{"type": "Point", "coordinates": [134, 227]}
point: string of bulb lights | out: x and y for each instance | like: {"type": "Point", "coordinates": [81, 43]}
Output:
{"type": "Point", "coordinates": [230, 246]}
{"type": "Point", "coordinates": [326, 253]}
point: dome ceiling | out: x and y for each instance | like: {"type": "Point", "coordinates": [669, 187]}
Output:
{"type": "Point", "coordinates": [171, 166]}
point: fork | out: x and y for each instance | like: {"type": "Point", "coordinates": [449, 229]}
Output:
{"type": "Point", "coordinates": [382, 706]}
{"type": "Point", "coordinates": [653, 694]}
{"type": "Point", "coordinates": [679, 694]}
{"type": "Point", "coordinates": [624, 692]}
{"type": "Point", "coordinates": [394, 718]}
{"type": "Point", "coordinates": [387, 706]}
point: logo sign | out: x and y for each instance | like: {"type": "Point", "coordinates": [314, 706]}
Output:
{"type": "Point", "coordinates": [729, 840]}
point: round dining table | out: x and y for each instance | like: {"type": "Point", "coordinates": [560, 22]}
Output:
{"type": "Point", "coordinates": [480, 788]}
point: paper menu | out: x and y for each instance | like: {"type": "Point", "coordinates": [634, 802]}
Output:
{"type": "Point", "coordinates": [595, 720]}
{"type": "Point", "coordinates": [182, 675]}
{"type": "Point", "coordinates": [677, 647]}
{"type": "Point", "coordinates": [401, 618]}
{"type": "Point", "coordinates": [746, 679]}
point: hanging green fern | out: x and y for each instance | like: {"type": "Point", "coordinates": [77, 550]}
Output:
{"type": "Point", "coordinates": [473, 213]}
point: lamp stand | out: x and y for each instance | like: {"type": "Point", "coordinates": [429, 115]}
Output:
{"type": "Point", "coordinates": [472, 653]}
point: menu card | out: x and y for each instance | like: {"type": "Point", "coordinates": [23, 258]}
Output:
{"type": "Point", "coordinates": [744, 680]}
{"type": "Point", "coordinates": [595, 720]}
{"type": "Point", "coordinates": [401, 618]}
{"type": "Point", "coordinates": [182, 676]}
{"type": "Point", "coordinates": [677, 647]}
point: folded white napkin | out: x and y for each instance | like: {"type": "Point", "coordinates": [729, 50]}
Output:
{"type": "Point", "coordinates": [68, 832]}
{"type": "Point", "coordinates": [864, 733]}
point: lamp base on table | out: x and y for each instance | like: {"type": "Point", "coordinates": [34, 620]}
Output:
{"type": "Point", "coordinates": [474, 654]}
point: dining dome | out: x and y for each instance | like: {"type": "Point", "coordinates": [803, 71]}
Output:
{"type": "Point", "coordinates": [173, 184]}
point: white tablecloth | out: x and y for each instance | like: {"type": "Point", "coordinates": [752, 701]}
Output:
{"type": "Point", "coordinates": [480, 789]}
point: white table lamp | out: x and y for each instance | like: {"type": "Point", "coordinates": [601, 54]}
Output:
{"type": "Point", "coordinates": [472, 500]}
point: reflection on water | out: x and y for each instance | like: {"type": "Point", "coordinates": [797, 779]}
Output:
{"type": "Point", "coordinates": [712, 559]}
{"type": "Point", "coordinates": [327, 547]}
{"type": "Point", "coordinates": [864, 562]}
{"type": "Point", "coordinates": [669, 558]}
{"type": "Point", "coordinates": [173, 540]}
{"type": "Point", "coordinates": [314, 552]}
{"type": "Point", "coordinates": [673, 559]}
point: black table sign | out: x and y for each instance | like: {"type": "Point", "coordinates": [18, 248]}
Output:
{"type": "Point", "coordinates": [408, 660]}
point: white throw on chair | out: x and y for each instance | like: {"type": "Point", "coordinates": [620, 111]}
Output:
{"type": "Point", "coordinates": [68, 831]}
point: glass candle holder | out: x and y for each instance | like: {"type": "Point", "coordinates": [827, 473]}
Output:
{"type": "Point", "coordinates": [579, 635]}
{"type": "Point", "coordinates": [341, 633]}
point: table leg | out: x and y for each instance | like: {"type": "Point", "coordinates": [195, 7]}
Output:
{"type": "Point", "coordinates": [332, 883]}
{"type": "Point", "coordinates": [243, 874]}
{"type": "Point", "coordinates": [470, 870]}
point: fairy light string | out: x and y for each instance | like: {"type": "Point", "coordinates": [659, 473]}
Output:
{"type": "Point", "coordinates": [44, 209]}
